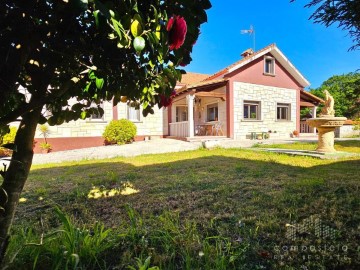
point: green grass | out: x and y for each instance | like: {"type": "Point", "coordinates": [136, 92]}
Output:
{"type": "Point", "coordinates": [217, 209]}
{"type": "Point", "coordinates": [345, 146]}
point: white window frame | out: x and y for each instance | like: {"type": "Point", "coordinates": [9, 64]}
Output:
{"type": "Point", "coordinates": [216, 114]}
{"type": "Point", "coordinates": [129, 115]}
{"type": "Point", "coordinates": [272, 67]}
{"type": "Point", "coordinates": [288, 111]}
{"type": "Point", "coordinates": [248, 104]}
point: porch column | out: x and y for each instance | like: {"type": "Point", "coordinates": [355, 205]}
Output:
{"type": "Point", "coordinates": [190, 104]}
{"type": "Point", "coordinates": [313, 112]}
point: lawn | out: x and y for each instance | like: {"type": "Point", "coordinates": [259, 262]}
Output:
{"type": "Point", "coordinates": [204, 209]}
{"type": "Point", "coordinates": [343, 146]}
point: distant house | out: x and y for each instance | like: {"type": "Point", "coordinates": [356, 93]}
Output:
{"type": "Point", "coordinates": [261, 93]}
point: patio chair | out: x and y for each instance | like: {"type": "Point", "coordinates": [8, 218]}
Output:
{"type": "Point", "coordinates": [217, 128]}
{"type": "Point", "coordinates": [200, 130]}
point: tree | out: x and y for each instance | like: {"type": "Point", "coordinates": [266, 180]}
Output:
{"type": "Point", "coordinates": [345, 12]}
{"type": "Point", "coordinates": [88, 51]}
{"type": "Point", "coordinates": [346, 92]}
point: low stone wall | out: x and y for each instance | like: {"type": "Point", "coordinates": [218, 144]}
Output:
{"type": "Point", "coordinates": [346, 131]}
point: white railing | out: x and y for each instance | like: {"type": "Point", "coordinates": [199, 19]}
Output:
{"type": "Point", "coordinates": [305, 128]}
{"type": "Point", "coordinates": [179, 129]}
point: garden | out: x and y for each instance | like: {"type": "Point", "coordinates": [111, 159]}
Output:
{"type": "Point", "coordinates": [203, 209]}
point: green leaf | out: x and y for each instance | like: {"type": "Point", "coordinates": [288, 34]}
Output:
{"type": "Point", "coordinates": [83, 115]}
{"type": "Point", "coordinates": [42, 120]}
{"type": "Point", "coordinates": [77, 107]}
{"type": "Point", "coordinates": [96, 15]}
{"type": "Point", "coordinates": [117, 28]}
{"type": "Point", "coordinates": [99, 83]}
{"type": "Point", "coordinates": [135, 7]}
{"type": "Point", "coordinates": [52, 121]}
{"type": "Point", "coordinates": [100, 19]}
{"type": "Point", "coordinates": [126, 21]}
{"type": "Point", "coordinates": [103, 9]}
{"type": "Point", "coordinates": [136, 26]}
{"type": "Point", "coordinates": [155, 14]}
{"type": "Point", "coordinates": [92, 75]}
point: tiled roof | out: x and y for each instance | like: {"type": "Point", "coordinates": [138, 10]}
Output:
{"type": "Point", "coordinates": [191, 78]}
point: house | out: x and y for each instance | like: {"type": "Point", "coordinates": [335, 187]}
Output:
{"type": "Point", "coordinates": [261, 93]}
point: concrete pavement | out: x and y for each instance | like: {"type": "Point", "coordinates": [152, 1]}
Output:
{"type": "Point", "coordinates": [150, 147]}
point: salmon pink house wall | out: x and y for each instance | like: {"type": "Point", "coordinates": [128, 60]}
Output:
{"type": "Point", "coordinates": [254, 73]}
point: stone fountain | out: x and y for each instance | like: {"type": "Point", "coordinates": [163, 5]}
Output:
{"type": "Point", "coordinates": [326, 124]}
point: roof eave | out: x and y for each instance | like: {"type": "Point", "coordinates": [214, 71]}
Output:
{"type": "Point", "coordinates": [290, 68]}
{"type": "Point", "coordinates": [201, 85]}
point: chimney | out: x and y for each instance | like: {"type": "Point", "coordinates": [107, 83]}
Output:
{"type": "Point", "coordinates": [247, 53]}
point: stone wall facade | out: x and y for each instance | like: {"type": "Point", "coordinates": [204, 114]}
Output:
{"type": "Point", "coordinates": [152, 125]}
{"type": "Point", "coordinates": [268, 97]}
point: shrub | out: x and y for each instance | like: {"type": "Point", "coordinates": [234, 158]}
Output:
{"type": "Point", "coordinates": [120, 131]}
{"type": "Point", "coordinates": [9, 137]}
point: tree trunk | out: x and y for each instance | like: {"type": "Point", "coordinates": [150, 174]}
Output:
{"type": "Point", "coordinates": [16, 175]}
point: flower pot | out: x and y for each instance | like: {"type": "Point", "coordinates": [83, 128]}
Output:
{"type": "Point", "coordinates": [45, 151]}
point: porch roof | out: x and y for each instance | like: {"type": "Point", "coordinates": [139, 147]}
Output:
{"type": "Point", "coordinates": [202, 86]}
{"type": "Point", "coordinates": [307, 97]}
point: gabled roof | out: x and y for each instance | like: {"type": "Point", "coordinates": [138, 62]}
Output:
{"type": "Point", "coordinates": [279, 56]}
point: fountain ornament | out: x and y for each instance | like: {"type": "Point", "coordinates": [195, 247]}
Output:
{"type": "Point", "coordinates": [326, 124]}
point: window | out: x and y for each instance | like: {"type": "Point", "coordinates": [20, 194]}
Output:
{"type": "Point", "coordinates": [212, 112]}
{"type": "Point", "coordinates": [96, 115]}
{"type": "Point", "coordinates": [251, 110]}
{"type": "Point", "coordinates": [181, 114]}
{"type": "Point", "coordinates": [269, 65]}
{"type": "Point", "coordinates": [133, 114]}
{"type": "Point", "coordinates": [283, 112]}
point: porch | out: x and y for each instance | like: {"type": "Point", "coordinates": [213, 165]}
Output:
{"type": "Point", "coordinates": [199, 112]}
{"type": "Point", "coordinates": [308, 104]}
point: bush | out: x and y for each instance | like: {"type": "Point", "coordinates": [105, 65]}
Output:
{"type": "Point", "coordinates": [120, 132]}
{"type": "Point", "coordinates": [9, 137]}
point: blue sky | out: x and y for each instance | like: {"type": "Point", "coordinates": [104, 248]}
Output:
{"type": "Point", "coordinates": [316, 51]}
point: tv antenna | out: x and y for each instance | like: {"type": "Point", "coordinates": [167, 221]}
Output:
{"type": "Point", "coordinates": [251, 32]}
